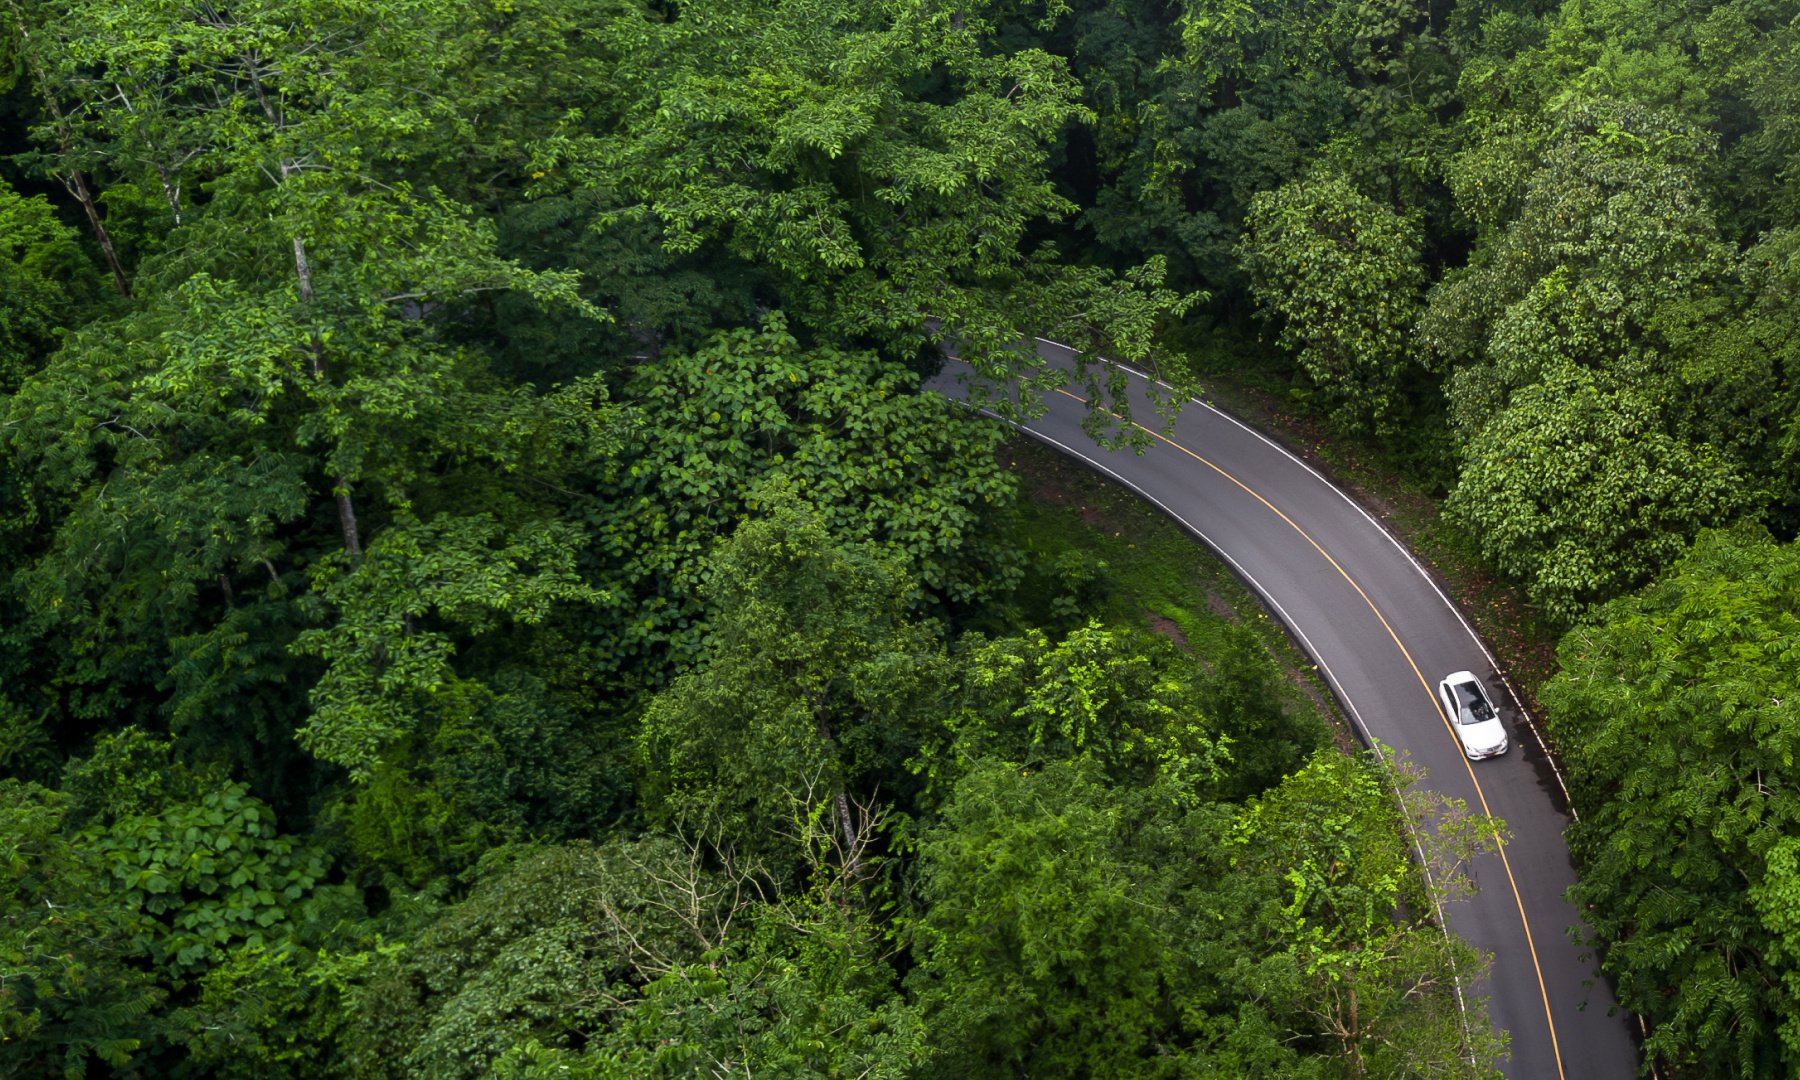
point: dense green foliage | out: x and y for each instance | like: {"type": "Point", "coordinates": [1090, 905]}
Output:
{"type": "Point", "coordinates": [1677, 711]}
{"type": "Point", "coordinates": [471, 537]}
{"type": "Point", "coordinates": [1342, 272]}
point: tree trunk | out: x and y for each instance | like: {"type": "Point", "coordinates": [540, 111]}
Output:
{"type": "Point", "coordinates": [840, 805]}
{"type": "Point", "coordinates": [340, 489]}
{"type": "Point", "coordinates": [845, 826]}
{"type": "Point", "coordinates": [73, 180]}
{"type": "Point", "coordinates": [76, 184]}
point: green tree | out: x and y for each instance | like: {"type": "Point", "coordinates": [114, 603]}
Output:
{"type": "Point", "coordinates": [1115, 696]}
{"type": "Point", "coordinates": [1199, 114]}
{"type": "Point", "coordinates": [46, 289]}
{"type": "Point", "coordinates": [44, 284]}
{"type": "Point", "coordinates": [211, 875]}
{"type": "Point", "coordinates": [1043, 949]}
{"type": "Point", "coordinates": [1052, 897]}
{"type": "Point", "coordinates": [801, 993]}
{"type": "Point", "coordinates": [1674, 708]}
{"type": "Point", "coordinates": [384, 659]}
{"type": "Point", "coordinates": [1607, 225]}
{"type": "Point", "coordinates": [220, 440]}
{"type": "Point", "coordinates": [70, 992]}
{"type": "Point", "coordinates": [312, 360]}
{"type": "Point", "coordinates": [1578, 489]}
{"type": "Point", "coordinates": [525, 954]}
{"type": "Point", "coordinates": [1341, 275]}
{"type": "Point", "coordinates": [720, 429]}
{"type": "Point", "coordinates": [195, 860]}
{"type": "Point", "coordinates": [1380, 991]}
{"type": "Point", "coordinates": [658, 957]}
{"type": "Point", "coordinates": [1581, 399]}
{"type": "Point", "coordinates": [297, 349]}
{"type": "Point", "coordinates": [1726, 68]}
{"type": "Point", "coordinates": [799, 984]}
{"type": "Point", "coordinates": [35, 45]}
{"type": "Point", "coordinates": [276, 1010]}
{"type": "Point", "coordinates": [813, 687]}
{"type": "Point", "coordinates": [1739, 348]}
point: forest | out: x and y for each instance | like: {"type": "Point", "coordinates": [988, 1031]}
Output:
{"type": "Point", "coordinates": [482, 592]}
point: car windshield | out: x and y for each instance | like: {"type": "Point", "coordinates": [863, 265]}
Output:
{"type": "Point", "coordinates": [1475, 707]}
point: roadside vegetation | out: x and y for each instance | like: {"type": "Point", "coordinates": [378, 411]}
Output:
{"type": "Point", "coordinates": [480, 593]}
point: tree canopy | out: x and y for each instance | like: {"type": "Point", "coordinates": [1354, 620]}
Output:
{"type": "Point", "coordinates": [473, 540]}
{"type": "Point", "coordinates": [1675, 706]}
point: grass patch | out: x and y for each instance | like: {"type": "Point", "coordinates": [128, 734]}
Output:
{"type": "Point", "coordinates": [1093, 549]}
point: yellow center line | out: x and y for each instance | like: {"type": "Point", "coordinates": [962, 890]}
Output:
{"type": "Point", "coordinates": [1530, 942]}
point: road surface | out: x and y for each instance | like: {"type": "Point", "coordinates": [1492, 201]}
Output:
{"type": "Point", "coordinates": [1383, 635]}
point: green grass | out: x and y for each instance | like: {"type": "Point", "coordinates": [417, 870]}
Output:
{"type": "Point", "coordinates": [1095, 550]}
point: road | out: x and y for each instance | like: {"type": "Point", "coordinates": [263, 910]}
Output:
{"type": "Point", "coordinates": [1383, 634]}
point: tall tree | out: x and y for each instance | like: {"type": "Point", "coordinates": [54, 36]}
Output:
{"type": "Point", "coordinates": [291, 429]}
{"type": "Point", "coordinates": [36, 40]}
{"type": "Point", "coordinates": [1381, 991]}
{"type": "Point", "coordinates": [1052, 896]}
{"type": "Point", "coordinates": [1676, 712]}
{"type": "Point", "coordinates": [1572, 388]}
{"type": "Point", "coordinates": [1578, 488]}
{"type": "Point", "coordinates": [46, 287]}
{"type": "Point", "coordinates": [813, 687]}
{"type": "Point", "coordinates": [1340, 273]}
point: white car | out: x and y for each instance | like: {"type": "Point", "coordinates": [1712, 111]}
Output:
{"type": "Point", "coordinates": [1473, 715]}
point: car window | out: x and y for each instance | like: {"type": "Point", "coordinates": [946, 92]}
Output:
{"type": "Point", "coordinates": [1474, 703]}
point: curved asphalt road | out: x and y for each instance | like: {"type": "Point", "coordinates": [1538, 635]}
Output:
{"type": "Point", "coordinates": [1384, 634]}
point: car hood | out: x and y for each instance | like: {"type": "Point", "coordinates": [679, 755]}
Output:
{"type": "Point", "coordinates": [1483, 736]}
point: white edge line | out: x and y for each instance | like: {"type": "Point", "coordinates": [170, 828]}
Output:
{"type": "Point", "coordinates": [1293, 628]}
{"type": "Point", "coordinates": [1493, 663]}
